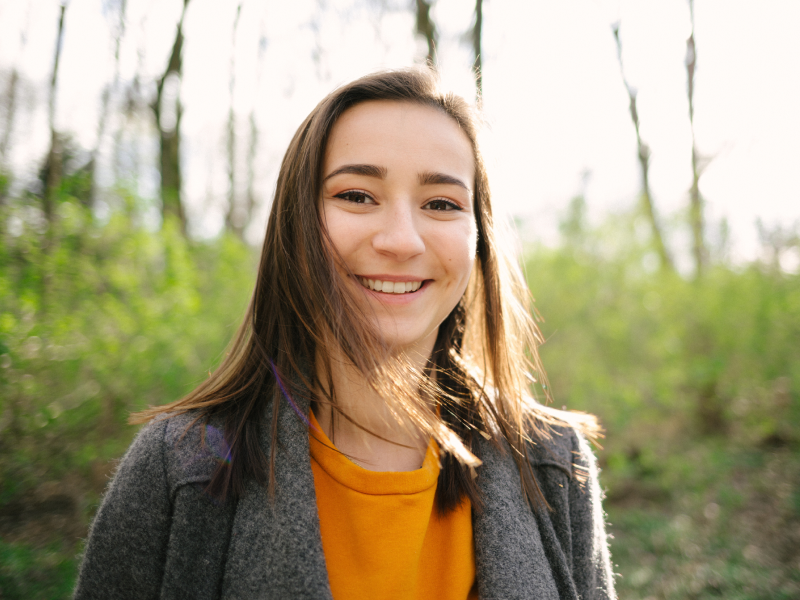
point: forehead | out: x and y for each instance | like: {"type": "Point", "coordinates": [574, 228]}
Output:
{"type": "Point", "coordinates": [381, 131]}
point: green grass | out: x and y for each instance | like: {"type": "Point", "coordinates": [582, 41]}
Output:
{"type": "Point", "coordinates": [734, 536]}
{"type": "Point", "coordinates": [28, 573]}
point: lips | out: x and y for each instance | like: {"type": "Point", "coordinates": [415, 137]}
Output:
{"type": "Point", "coordinates": [390, 287]}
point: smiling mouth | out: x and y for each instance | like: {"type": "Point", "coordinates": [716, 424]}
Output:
{"type": "Point", "coordinates": [390, 287]}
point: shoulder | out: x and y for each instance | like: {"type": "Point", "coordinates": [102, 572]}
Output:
{"type": "Point", "coordinates": [568, 476]}
{"type": "Point", "coordinates": [560, 441]}
{"type": "Point", "coordinates": [187, 447]}
{"type": "Point", "coordinates": [150, 505]}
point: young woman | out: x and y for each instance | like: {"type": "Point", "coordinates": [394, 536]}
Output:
{"type": "Point", "coordinates": [370, 433]}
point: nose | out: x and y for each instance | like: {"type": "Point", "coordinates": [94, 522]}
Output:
{"type": "Point", "coordinates": [399, 234]}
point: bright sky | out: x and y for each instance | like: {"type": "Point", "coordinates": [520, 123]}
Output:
{"type": "Point", "coordinates": [554, 99]}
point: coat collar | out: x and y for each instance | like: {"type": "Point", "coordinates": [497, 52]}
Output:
{"type": "Point", "coordinates": [276, 547]}
{"type": "Point", "coordinates": [510, 559]}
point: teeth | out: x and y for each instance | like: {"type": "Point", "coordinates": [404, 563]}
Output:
{"type": "Point", "coordinates": [390, 287]}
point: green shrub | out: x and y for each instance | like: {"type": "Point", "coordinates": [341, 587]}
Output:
{"type": "Point", "coordinates": [101, 319]}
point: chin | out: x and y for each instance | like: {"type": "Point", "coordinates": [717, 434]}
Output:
{"type": "Point", "coordinates": [400, 338]}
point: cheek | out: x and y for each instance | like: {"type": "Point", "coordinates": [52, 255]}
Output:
{"type": "Point", "coordinates": [341, 231]}
{"type": "Point", "coordinates": [461, 247]}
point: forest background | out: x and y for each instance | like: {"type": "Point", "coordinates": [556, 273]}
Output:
{"type": "Point", "coordinates": [129, 240]}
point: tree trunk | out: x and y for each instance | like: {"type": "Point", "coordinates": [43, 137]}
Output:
{"type": "Point", "coordinates": [11, 113]}
{"type": "Point", "coordinates": [426, 27]}
{"type": "Point", "coordinates": [477, 52]}
{"type": "Point", "coordinates": [133, 105]}
{"type": "Point", "coordinates": [54, 166]}
{"type": "Point", "coordinates": [254, 133]}
{"type": "Point", "coordinates": [699, 249]}
{"type": "Point", "coordinates": [251, 168]}
{"type": "Point", "coordinates": [168, 111]}
{"type": "Point", "coordinates": [108, 92]}
{"type": "Point", "coordinates": [11, 109]}
{"type": "Point", "coordinates": [648, 205]}
{"type": "Point", "coordinates": [234, 220]}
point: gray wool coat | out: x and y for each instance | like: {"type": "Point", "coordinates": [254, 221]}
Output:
{"type": "Point", "coordinates": [157, 534]}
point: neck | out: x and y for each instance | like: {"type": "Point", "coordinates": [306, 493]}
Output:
{"type": "Point", "coordinates": [369, 434]}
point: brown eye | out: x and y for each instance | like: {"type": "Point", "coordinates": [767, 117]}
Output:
{"type": "Point", "coordinates": [440, 204]}
{"type": "Point", "coordinates": [356, 197]}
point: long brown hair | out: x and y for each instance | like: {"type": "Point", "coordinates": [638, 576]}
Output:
{"type": "Point", "coordinates": [484, 356]}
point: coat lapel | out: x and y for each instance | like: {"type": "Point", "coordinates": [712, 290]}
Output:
{"type": "Point", "coordinates": [510, 560]}
{"type": "Point", "coordinates": [276, 548]}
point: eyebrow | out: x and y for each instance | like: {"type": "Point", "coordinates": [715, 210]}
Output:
{"type": "Point", "coordinates": [432, 178]}
{"type": "Point", "coordinates": [426, 178]}
{"type": "Point", "coordinates": [365, 170]}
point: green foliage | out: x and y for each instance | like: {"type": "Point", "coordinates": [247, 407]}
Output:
{"type": "Point", "coordinates": [97, 319]}
{"type": "Point", "coordinates": [718, 355]}
{"type": "Point", "coordinates": [698, 386]}
{"type": "Point", "coordinates": [5, 182]}
{"type": "Point", "coordinates": [100, 321]}
{"type": "Point", "coordinates": [696, 382]}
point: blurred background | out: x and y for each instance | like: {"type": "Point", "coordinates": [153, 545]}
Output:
{"type": "Point", "coordinates": [645, 152]}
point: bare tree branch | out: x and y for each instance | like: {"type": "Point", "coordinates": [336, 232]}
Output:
{"type": "Point", "coordinates": [54, 166]}
{"type": "Point", "coordinates": [11, 109]}
{"type": "Point", "coordinates": [477, 53]}
{"type": "Point", "coordinates": [644, 164]}
{"type": "Point", "coordinates": [169, 129]}
{"type": "Point", "coordinates": [233, 218]}
{"type": "Point", "coordinates": [105, 105]}
{"type": "Point", "coordinates": [11, 99]}
{"type": "Point", "coordinates": [254, 133]}
{"type": "Point", "coordinates": [427, 28]}
{"type": "Point", "coordinates": [699, 249]}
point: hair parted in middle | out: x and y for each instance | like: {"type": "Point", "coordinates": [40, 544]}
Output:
{"type": "Point", "coordinates": [486, 351]}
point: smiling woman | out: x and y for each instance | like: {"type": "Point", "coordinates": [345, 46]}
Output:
{"type": "Point", "coordinates": [371, 433]}
{"type": "Point", "coordinates": [405, 219]}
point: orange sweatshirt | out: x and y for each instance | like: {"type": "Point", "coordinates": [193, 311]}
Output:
{"type": "Point", "coordinates": [381, 534]}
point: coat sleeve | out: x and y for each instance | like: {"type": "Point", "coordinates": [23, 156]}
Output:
{"type": "Point", "coordinates": [591, 562]}
{"type": "Point", "coordinates": [126, 549]}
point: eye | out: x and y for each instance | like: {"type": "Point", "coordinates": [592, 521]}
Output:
{"type": "Point", "coordinates": [356, 197]}
{"type": "Point", "coordinates": [443, 205]}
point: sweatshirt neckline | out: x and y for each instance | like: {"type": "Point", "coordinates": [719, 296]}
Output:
{"type": "Point", "coordinates": [376, 483]}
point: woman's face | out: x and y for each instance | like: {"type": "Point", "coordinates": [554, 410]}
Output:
{"type": "Point", "coordinates": [397, 197]}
